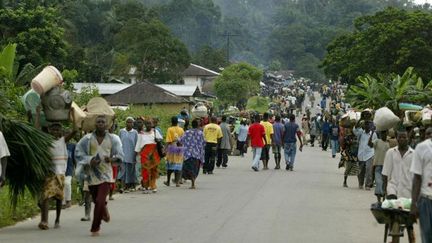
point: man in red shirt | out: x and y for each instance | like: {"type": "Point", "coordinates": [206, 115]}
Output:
{"type": "Point", "coordinates": [258, 139]}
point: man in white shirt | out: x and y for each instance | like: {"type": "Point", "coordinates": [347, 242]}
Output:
{"type": "Point", "coordinates": [4, 153]}
{"type": "Point", "coordinates": [365, 153]}
{"type": "Point", "coordinates": [396, 169]}
{"type": "Point", "coordinates": [421, 205]}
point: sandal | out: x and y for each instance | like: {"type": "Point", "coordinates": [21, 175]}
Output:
{"type": "Point", "coordinates": [43, 226]}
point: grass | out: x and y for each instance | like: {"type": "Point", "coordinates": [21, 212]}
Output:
{"type": "Point", "coordinates": [258, 103]}
{"type": "Point", "coordinates": [26, 208]}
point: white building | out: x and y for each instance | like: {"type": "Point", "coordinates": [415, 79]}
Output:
{"type": "Point", "coordinates": [196, 75]}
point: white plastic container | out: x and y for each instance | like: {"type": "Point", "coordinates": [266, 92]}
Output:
{"type": "Point", "coordinates": [46, 80]}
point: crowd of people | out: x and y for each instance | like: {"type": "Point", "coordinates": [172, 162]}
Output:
{"type": "Point", "coordinates": [397, 163]}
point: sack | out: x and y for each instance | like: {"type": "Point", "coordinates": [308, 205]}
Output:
{"type": "Point", "coordinates": [385, 119]}
{"type": "Point", "coordinates": [426, 116]}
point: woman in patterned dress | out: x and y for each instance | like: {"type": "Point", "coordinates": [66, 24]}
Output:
{"type": "Point", "coordinates": [193, 142]}
{"type": "Point", "coordinates": [349, 151]}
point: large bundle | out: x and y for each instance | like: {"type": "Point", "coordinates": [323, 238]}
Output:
{"type": "Point", "coordinates": [199, 110]}
{"type": "Point", "coordinates": [349, 119]}
{"type": "Point", "coordinates": [95, 107]}
{"type": "Point", "coordinates": [79, 114]}
{"type": "Point", "coordinates": [385, 119]}
{"type": "Point", "coordinates": [426, 116]}
{"type": "Point", "coordinates": [56, 104]}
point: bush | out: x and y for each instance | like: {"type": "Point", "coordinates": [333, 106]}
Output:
{"type": "Point", "coordinates": [26, 208]}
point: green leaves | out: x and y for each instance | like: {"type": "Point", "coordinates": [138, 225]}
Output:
{"type": "Point", "coordinates": [389, 90]}
{"type": "Point", "coordinates": [388, 42]}
{"type": "Point", "coordinates": [30, 161]}
{"type": "Point", "coordinates": [238, 82]}
{"type": "Point", "coordinates": [7, 58]}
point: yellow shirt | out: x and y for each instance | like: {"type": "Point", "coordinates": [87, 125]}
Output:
{"type": "Point", "coordinates": [268, 127]}
{"type": "Point", "coordinates": [173, 134]}
{"type": "Point", "coordinates": [212, 132]}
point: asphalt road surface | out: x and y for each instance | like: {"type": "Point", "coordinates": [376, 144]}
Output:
{"type": "Point", "coordinates": [232, 205]}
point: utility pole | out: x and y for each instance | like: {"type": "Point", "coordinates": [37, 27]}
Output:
{"type": "Point", "coordinates": [228, 35]}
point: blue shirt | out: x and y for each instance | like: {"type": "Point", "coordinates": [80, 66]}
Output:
{"type": "Point", "coordinates": [291, 129]}
{"type": "Point", "coordinates": [129, 140]}
{"type": "Point", "coordinates": [278, 131]}
{"type": "Point", "coordinates": [326, 128]}
{"type": "Point", "coordinates": [243, 133]}
{"type": "Point", "coordinates": [364, 151]}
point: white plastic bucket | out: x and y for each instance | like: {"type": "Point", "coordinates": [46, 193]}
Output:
{"type": "Point", "coordinates": [46, 80]}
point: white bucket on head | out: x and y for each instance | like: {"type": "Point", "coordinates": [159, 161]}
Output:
{"type": "Point", "coordinates": [46, 80]}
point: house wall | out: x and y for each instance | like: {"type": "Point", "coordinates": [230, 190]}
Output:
{"type": "Point", "coordinates": [193, 80]}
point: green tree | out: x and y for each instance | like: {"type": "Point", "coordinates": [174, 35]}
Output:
{"type": "Point", "coordinates": [37, 33]}
{"type": "Point", "coordinates": [388, 42]}
{"type": "Point", "coordinates": [238, 82]}
{"type": "Point", "coordinates": [157, 54]}
{"type": "Point", "coordinates": [211, 58]}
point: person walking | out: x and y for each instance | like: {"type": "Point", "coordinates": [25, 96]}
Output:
{"type": "Point", "coordinates": [129, 138]}
{"type": "Point", "coordinates": [268, 127]}
{"type": "Point", "coordinates": [421, 168]}
{"type": "Point", "coordinates": [4, 153]}
{"type": "Point", "coordinates": [174, 152]}
{"type": "Point", "coordinates": [242, 137]}
{"type": "Point", "coordinates": [349, 160]}
{"type": "Point", "coordinates": [334, 137]}
{"type": "Point", "coordinates": [365, 154]}
{"type": "Point", "coordinates": [148, 155]}
{"type": "Point", "coordinates": [380, 145]}
{"type": "Point", "coordinates": [97, 151]}
{"type": "Point", "coordinates": [305, 127]}
{"type": "Point", "coordinates": [213, 136]}
{"type": "Point", "coordinates": [290, 142]}
{"type": "Point", "coordinates": [313, 131]}
{"type": "Point", "coordinates": [258, 139]}
{"type": "Point", "coordinates": [193, 142]}
{"type": "Point", "coordinates": [277, 141]}
{"type": "Point", "coordinates": [224, 145]}
{"type": "Point", "coordinates": [325, 134]}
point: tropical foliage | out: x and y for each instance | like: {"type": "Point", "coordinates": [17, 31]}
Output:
{"type": "Point", "coordinates": [389, 90]}
{"type": "Point", "coordinates": [388, 42]}
{"type": "Point", "coordinates": [238, 82]}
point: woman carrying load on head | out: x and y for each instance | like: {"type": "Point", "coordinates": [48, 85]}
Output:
{"type": "Point", "coordinates": [349, 149]}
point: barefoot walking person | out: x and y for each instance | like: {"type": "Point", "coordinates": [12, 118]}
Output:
{"type": "Point", "coordinates": [146, 148]}
{"type": "Point", "coordinates": [129, 137]}
{"type": "Point", "coordinates": [277, 142]}
{"type": "Point", "coordinates": [268, 127]}
{"type": "Point", "coordinates": [98, 150]}
{"type": "Point", "coordinates": [193, 142]}
{"type": "Point", "coordinates": [54, 184]}
{"type": "Point", "coordinates": [174, 152]}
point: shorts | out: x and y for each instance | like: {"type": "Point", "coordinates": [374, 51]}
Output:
{"type": "Point", "coordinates": [277, 149]}
{"type": "Point", "coordinates": [265, 153]}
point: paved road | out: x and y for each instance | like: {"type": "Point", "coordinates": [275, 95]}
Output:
{"type": "Point", "coordinates": [233, 205]}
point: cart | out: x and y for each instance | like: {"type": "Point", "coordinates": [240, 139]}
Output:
{"type": "Point", "coordinates": [395, 221]}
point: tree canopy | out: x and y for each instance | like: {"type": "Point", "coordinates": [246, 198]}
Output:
{"type": "Point", "coordinates": [388, 42]}
{"type": "Point", "coordinates": [238, 82]}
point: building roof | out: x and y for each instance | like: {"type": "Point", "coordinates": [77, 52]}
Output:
{"type": "Point", "coordinates": [181, 90]}
{"type": "Point", "coordinates": [104, 88]}
{"type": "Point", "coordinates": [144, 92]}
{"type": "Point", "coordinates": [196, 70]}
